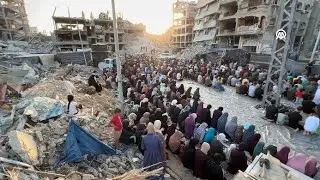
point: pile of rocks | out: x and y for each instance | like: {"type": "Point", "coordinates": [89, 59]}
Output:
{"type": "Point", "coordinates": [104, 166]}
{"type": "Point", "coordinates": [191, 52]}
{"type": "Point", "coordinates": [40, 143]}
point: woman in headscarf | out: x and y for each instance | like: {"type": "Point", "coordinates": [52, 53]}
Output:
{"type": "Point", "coordinates": [174, 142]}
{"type": "Point", "coordinates": [127, 136]}
{"type": "Point", "coordinates": [196, 94]}
{"type": "Point", "coordinates": [298, 162]}
{"type": "Point", "coordinates": [271, 149]}
{"type": "Point", "coordinates": [229, 150]}
{"type": "Point", "coordinates": [200, 132]}
{"type": "Point", "coordinates": [258, 149]}
{"type": "Point", "coordinates": [248, 135]}
{"type": "Point", "coordinates": [311, 166]}
{"type": "Point", "coordinates": [156, 116]}
{"type": "Point", "coordinates": [152, 146]}
{"type": "Point", "coordinates": [213, 169]}
{"type": "Point", "coordinates": [231, 127]}
{"type": "Point", "coordinates": [216, 115]}
{"type": "Point", "coordinates": [200, 161]}
{"type": "Point", "coordinates": [176, 112]}
{"type": "Point", "coordinates": [221, 126]}
{"type": "Point", "coordinates": [207, 115]}
{"type": "Point", "coordinates": [283, 154]}
{"type": "Point", "coordinates": [194, 107]}
{"type": "Point", "coordinates": [170, 131]}
{"type": "Point", "coordinates": [238, 160]}
{"type": "Point", "coordinates": [252, 144]}
{"type": "Point", "coordinates": [189, 154]}
{"type": "Point", "coordinates": [238, 134]}
{"type": "Point", "coordinates": [216, 147]}
{"type": "Point", "coordinates": [181, 89]}
{"type": "Point", "coordinates": [132, 119]}
{"type": "Point", "coordinates": [190, 124]}
{"type": "Point", "coordinates": [200, 113]}
{"type": "Point", "coordinates": [209, 135]}
{"type": "Point", "coordinates": [187, 94]}
{"type": "Point", "coordinates": [145, 118]}
{"type": "Point", "coordinates": [172, 107]}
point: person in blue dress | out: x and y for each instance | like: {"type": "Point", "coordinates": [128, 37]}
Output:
{"type": "Point", "coordinates": [152, 146]}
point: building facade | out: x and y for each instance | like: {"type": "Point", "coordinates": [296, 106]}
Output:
{"type": "Point", "coordinates": [14, 24]}
{"type": "Point", "coordinates": [183, 22]}
{"type": "Point", "coordinates": [206, 23]}
{"type": "Point", "coordinates": [247, 24]}
{"type": "Point", "coordinates": [73, 33]}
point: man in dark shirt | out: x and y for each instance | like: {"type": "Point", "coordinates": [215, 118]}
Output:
{"type": "Point", "coordinates": [308, 106]}
{"type": "Point", "coordinates": [294, 119]}
{"type": "Point", "coordinates": [271, 112]}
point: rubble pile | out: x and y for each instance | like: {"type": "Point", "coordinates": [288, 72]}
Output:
{"type": "Point", "coordinates": [190, 52]}
{"type": "Point", "coordinates": [35, 128]}
{"type": "Point", "coordinates": [134, 44]}
{"type": "Point", "coordinates": [39, 44]}
{"type": "Point", "coordinates": [104, 166]}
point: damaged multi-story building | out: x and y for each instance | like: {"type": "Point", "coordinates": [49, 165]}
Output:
{"type": "Point", "coordinates": [247, 24]}
{"type": "Point", "coordinates": [206, 23]}
{"type": "Point", "coordinates": [183, 22]}
{"type": "Point", "coordinates": [14, 23]}
{"type": "Point", "coordinates": [73, 33]}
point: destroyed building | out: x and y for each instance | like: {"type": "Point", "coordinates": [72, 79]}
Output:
{"type": "Point", "coordinates": [183, 22]}
{"type": "Point", "coordinates": [247, 24]}
{"type": "Point", "coordinates": [206, 23]}
{"type": "Point", "coordinates": [73, 33]}
{"type": "Point", "coordinates": [14, 23]}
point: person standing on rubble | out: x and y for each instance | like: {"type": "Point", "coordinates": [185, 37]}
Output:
{"type": "Point", "coordinates": [117, 124]}
{"type": "Point", "coordinates": [72, 108]}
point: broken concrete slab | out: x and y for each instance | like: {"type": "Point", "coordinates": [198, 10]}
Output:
{"type": "Point", "coordinates": [25, 146]}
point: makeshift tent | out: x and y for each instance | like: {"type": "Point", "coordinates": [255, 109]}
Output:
{"type": "Point", "coordinates": [80, 143]}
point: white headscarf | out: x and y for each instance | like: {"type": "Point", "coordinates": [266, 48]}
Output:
{"type": "Point", "coordinates": [174, 102]}
{"type": "Point", "coordinates": [150, 128]}
{"type": "Point", "coordinates": [157, 126]}
{"type": "Point", "coordinates": [222, 137]}
{"type": "Point", "coordinates": [229, 150]}
{"type": "Point", "coordinates": [205, 147]}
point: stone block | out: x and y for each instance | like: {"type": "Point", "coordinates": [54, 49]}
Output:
{"type": "Point", "coordinates": [25, 146]}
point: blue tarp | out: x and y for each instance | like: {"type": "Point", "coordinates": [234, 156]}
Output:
{"type": "Point", "coordinates": [79, 143]}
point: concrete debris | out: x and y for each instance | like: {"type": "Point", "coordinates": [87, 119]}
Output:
{"type": "Point", "coordinates": [38, 125]}
{"type": "Point", "coordinates": [134, 44]}
{"type": "Point", "coordinates": [38, 44]}
{"type": "Point", "coordinates": [25, 146]}
{"type": "Point", "coordinates": [190, 52]}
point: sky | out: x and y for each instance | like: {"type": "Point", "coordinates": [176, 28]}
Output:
{"type": "Point", "coordinates": [155, 14]}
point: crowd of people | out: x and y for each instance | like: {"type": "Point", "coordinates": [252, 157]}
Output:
{"type": "Point", "coordinates": [165, 117]}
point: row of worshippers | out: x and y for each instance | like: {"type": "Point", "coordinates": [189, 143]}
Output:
{"type": "Point", "coordinates": [184, 106]}
{"type": "Point", "coordinates": [293, 119]}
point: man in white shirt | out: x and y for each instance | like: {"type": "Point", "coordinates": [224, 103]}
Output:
{"type": "Point", "coordinates": [252, 89]}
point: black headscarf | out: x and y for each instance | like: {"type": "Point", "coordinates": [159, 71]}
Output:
{"type": "Point", "coordinates": [196, 94]}
{"type": "Point", "coordinates": [189, 153]}
{"type": "Point", "coordinates": [213, 168]}
{"type": "Point", "coordinates": [271, 149]}
{"type": "Point", "coordinates": [181, 89]}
